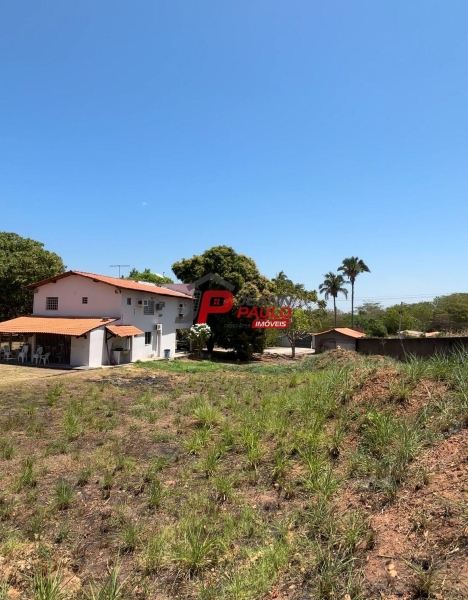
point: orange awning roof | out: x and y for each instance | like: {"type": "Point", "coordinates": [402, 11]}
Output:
{"type": "Point", "coordinates": [75, 326]}
{"type": "Point", "coordinates": [123, 330]}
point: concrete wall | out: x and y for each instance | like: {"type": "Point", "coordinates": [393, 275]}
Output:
{"type": "Point", "coordinates": [400, 349]}
{"type": "Point", "coordinates": [305, 342]}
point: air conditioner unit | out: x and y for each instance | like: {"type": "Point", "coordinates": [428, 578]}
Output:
{"type": "Point", "coordinates": [182, 305]}
{"type": "Point", "coordinates": [160, 305]}
{"type": "Point", "coordinates": [140, 302]}
{"type": "Point", "coordinates": [158, 327]}
{"type": "Point", "coordinates": [181, 315]}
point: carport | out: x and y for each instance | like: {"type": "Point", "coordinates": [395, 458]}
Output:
{"type": "Point", "coordinates": [73, 341]}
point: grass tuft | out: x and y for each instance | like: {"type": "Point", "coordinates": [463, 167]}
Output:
{"type": "Point", "coordinates": [64, 492]}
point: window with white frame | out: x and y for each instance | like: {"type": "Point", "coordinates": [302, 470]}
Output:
{"type": "Point", "coordinates": [129, 301]}
{"type": "Point", "coordinates": [84, 300]}
{"type": "Point", "coordinates": [147, 338]}
{"type": "Point", "coordinates": [52, 303]}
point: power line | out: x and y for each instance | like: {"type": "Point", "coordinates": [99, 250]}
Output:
{"type": "Point", "coordinates": [364, 298]}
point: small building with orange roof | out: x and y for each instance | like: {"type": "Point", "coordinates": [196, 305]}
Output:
{"type": "Point", "coordinates": [344, 337]}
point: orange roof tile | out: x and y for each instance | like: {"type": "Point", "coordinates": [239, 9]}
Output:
{"type": "Point", "coordinates": [123, 330]}
{"type": "Point", "coordinates": [75, 326]}
{"type": "Point", "coordinates": [124, 284]}
{"type": "Point", "coordinates": [344, 331]}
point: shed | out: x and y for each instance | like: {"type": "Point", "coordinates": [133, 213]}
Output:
{"type": "Point", "coordinates": [337, 336]}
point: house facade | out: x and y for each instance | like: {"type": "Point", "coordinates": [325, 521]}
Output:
{"type": "Point", "coordinates": [84, 319]}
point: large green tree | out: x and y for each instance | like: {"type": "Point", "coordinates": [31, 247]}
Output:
{"type": "Point", "coordinates": [22, 261]}
{"type": "Point", "coordinates": [351, 268]}
{"type": "Point", "coordinates": [332, 285]}
{"type": "Point", "coordinates": [147, 275]}
{"type": "Point", "coordinates": [394, 315]}
{"type": "Point", "coordinates": [451, 310]}
{"type": "Point", "coordinates": [371, 310]}
{"type": "Point", "coordinates": [305, 305]}
{"type": "Point", "coordinates": [241, 271]}
{"type": "Point", "coordinates": [423, 314]}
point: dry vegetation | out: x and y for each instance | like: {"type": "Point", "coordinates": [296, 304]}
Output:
{"type": "Point", "coordinates": [337, 477]}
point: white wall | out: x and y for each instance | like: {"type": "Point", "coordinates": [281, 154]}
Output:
{"type": "Point", "coordinates": [168, 317]}
{"type": "Point", "coordinates": [102, 299]}
{"type": "Point", "coordinates": [79, 353]}
{"type": "Point", "coordinates": [96, 342]}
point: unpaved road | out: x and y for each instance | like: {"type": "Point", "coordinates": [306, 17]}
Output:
{"type": "Point", "coordinates": [282, 351]}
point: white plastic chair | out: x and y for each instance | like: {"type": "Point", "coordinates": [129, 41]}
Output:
{"type": "Point", "coordinates": [8, 353]}
{"type": "Point", "coordinates": [45, 358]}
{"type": "Point", "coordinates": [36, 357]}
{"type": "Point", "coordinates": [23, 355]}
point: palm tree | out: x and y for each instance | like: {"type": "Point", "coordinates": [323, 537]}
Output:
{"type": "Point", "coordinates": [352, 267]}
{"type": "Point", "coordinates": [332, 286]}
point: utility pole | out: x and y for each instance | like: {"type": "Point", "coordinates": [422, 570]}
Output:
{"type": "Point", "coordinates": [400, 312]}
{"type": "Point", "coordinates": [119, 267]}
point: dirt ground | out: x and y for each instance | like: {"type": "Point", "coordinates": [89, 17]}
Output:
{"type": "Point", "coordinates": [12, 373]}
{"type": "Point", "coordinates": [115, 435]}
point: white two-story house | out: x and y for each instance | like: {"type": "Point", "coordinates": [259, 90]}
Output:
{"type": "Point", "coordinates": [83, 319]}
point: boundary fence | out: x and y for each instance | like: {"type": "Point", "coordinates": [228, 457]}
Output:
{"type": "Point", "coordinates": [421, 347]}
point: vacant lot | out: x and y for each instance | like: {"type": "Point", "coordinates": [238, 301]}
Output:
{"type": "Point", "coordinates": [336, 477]}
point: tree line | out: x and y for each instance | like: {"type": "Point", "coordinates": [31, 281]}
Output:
{"type": "Point", "coordinates": [447, 313]}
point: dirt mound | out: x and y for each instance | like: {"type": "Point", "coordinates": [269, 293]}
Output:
{"type": "Point", "coordinates": [342, 357]}
{"type": "Point", "coordinates": [386, 386]}
{"type": "Point", "coordinates": [425, 534]}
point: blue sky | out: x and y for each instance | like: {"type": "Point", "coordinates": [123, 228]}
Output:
{"type": "Point", "coordinates": [298, 132]}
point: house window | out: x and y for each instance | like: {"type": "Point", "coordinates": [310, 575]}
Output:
{"type": "Point", "coordinates": [148, 307]}
{"type": "Point", "coordinates": [129, 301]}
{"type": "Point", "coordinates": [84, 300]}
{"type": "Point", "coordinates": [52, 303]}
{"type": "Point", "coordinates": [147, 338]}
